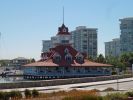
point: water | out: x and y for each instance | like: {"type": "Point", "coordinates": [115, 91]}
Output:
{"type": "Point", "coordinates": [11, 79]}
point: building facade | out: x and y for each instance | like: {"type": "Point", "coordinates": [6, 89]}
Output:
{"type": "Point", "coordinates": [126, 37]}
{"type": "Point", "coordinates": [19, 62]}
{"type": "Point", "coordinates": [85, 40]}
{"type": "Point", "coordinates": [63, 61]}
{"type": "Point", "coordinates": [46, 45]}
{"type": "Point", "coordinates": [112, 48]}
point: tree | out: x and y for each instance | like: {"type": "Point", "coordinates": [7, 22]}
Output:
{"type": "Point", "coordinates": [124, 58]}
{"type": "Point", "coordinates": [35, 93]}
{"type": "Point", "coordinates": [27, 93]}
{"type": "Point", "coordinates": [90, 58]}
{"type": "Point", "coordinates": [15, 94]}
{"type": "Point", "coordinates": [100, 59]}
{"type": "Point", "coordinates": [32, 60]}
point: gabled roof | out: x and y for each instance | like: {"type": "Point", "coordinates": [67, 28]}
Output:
{"type": "Point", "coordinates": [61, 49]}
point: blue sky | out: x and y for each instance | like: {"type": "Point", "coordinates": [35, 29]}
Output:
{"type": "Point", "coordinates": [25, 23]}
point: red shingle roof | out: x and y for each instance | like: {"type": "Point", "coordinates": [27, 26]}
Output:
{"type": "Point", "coordinates": [87, 63]}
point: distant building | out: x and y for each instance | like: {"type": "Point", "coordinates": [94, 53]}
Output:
{"type": "Point", "coordinates": [5, 62]}
{"type": "Point", "coordinates": [18, 62]}
{"type": "Point", "coordinates": [112, 48]}
{"type": "Point", "coordinates": [85, 40]}
{"type": "Point", "coordinates": [46, 44]}
{"type": "Point", "coordinates": [126, 37]}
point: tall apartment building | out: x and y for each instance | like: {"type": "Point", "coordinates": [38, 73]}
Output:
{"type": "Point", "coordinates": [46, 44]}
{"type": "Point", "coordinates": [126, 37]}
{"type": "Point", "coordinates": [112, 48]}
{"type": "Point", "coordinates": [85, 40]}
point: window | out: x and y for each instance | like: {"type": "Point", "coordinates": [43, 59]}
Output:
{"type": "Point", "coordinates": [65, 41]}
{"type": "Point", "coordinates": [68, 58]}
{"type": "Point", "coordinates": [66, 50]}
{"type": "Point", "coordinates": [78, 70]}
{"type": "Point", "coordinates": [87, 69]}
{"type": "Point", "coordinates": [58, 69]}
{"type": "Point", "coordinates": [56, 58]}
{"type": "Point", "coordinates": [79, 58]}
{"type": "Point", "coordinates": [67, 69]}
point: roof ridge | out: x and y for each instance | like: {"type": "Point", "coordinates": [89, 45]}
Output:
{"type": "Point", "coordinates": [50, 56]}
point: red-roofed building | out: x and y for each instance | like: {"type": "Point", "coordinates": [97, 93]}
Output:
{"type": "Point", "coordinates": [63, 61]}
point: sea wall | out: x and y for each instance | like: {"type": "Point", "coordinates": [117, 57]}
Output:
{"type": "Point", "coordinates": [40, 83]}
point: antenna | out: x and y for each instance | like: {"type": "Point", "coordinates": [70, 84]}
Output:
{"type": "Point", "coordinates": [63, 14]}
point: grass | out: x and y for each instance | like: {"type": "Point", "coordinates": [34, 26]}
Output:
{"type": "Point", "coordinates": [116, 96]}
{"type": "Point", "coordinates": [63, 95]}
{"type": "Point", "coordinates": [66, 95]}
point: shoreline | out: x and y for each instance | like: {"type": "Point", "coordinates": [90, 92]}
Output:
{"type": "Point", "coordinates": [56, 82]}
{"type": "Point", "coordinates": [77, 86]}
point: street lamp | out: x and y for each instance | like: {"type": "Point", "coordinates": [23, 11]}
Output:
{"type": "Point", "coordinates": [132, 70]}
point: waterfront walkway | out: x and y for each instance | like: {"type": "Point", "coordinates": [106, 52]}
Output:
{"type": "Point", "coordinates": [121, 84]}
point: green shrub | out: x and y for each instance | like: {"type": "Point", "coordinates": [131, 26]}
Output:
{"type": "Point", "coordinates": [1, 95]}
{"type": "Point", "coordinates": [15, 94]}
{"type": "Point", "coordinates": [109, 89]}
{"type": "Point", "coordinates": [129, 94]}
{"type": "Point", "coordinates": [27, 93]}
{"type": "Point", "coordinates": [116, 96]}
{"type": "Point", "coordinates": [4, 96]}
{"type": "Point", "coordinates": [114, 73]}
{"type": "Point", "coordinates": [35, 93]}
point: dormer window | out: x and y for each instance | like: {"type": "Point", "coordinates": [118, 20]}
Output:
{"type": "Point", "coordinates": [66, 51]}
{"type": "Point", "coordinates": [68, 58]}
{"type": "Point", "coordinates": [45, 57]}
{"type": "Point", "coordinates": [79, 58]}
{"type": "Point", "coordinates": [56, 58]}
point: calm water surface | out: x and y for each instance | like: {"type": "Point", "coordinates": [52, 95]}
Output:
{"type": "Point", "coordinates": [11, 79]}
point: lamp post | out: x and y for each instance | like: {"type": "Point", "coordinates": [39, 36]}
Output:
{"type": "Point", "coordinates": [117, 70]}
{"type": "Point", "coordinates": [132, 70]}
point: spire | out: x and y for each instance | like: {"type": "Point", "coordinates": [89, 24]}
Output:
{"type": "Point", "coordinates": [63, 29]}
{"type": "Point", "coordinates": [63, 14]}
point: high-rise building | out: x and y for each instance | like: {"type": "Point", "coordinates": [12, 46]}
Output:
{"type": "Point", "coordinates": [85, 40]}
{"type": "Point", "coordinates": [126, 37]}
{"type": "Point", "coordinates": [112, 48]}
{"type": "Point", "coordinates": [46, 44]}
